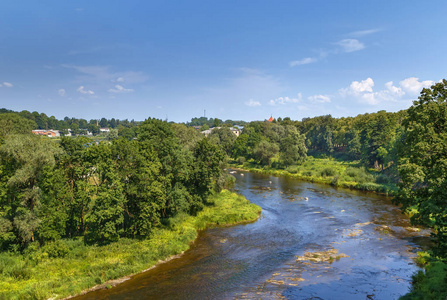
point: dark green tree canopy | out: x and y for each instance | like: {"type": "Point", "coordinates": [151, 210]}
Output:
{"type": "Point", "coordinates": [423, 162]}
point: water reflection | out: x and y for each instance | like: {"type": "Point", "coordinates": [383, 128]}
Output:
{"type": "Point", "coordinates": [367, 242]}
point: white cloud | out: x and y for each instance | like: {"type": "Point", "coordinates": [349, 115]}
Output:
{"type": "Point", "coordinates": [304, 61]}
{"type": "Point", "coordinates": [82, 90]}
{"type": "Point", "coordinates": [252, 103]}
{"type": "Point", "coordinates": [61, 92]}
{"type": "Point", "coordinates": [413, 86]}
{"type": "Point", "coordinates": [394, 90]}
{"type": "Point", "coordinates": [285, 100]}
{"type": "Point", "coordinates": [319, 99]}
{"type": "Point", "coordinates": [350, 45]}
{"type": "Point", "coordinates": [101, 75]}
{"type": "Point", "coordinates": [7, 84]}
{"type": "Point", "coordinates": [363, 90]}
{"type": "Point", "coordinates": [369, 98]}
{"type": "Point", "coordinates": [363, 86]}
{"type": "Point", "coordinates": [120, 89]}
{"type": "Point", "coordinates": [361, 33]}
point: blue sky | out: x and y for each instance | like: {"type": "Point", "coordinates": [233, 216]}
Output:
{"type": "Point", "coordinates": [240, 60]}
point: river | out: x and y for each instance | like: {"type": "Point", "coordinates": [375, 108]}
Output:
{"type": "Point", "coordinates": [312, 241]}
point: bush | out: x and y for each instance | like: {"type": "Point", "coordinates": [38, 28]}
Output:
{"type": "Point", "coordinates": [308, 173]}
{"type": "Point", "coordinates": [240, 160]}
{"type": "Point", "coordinates": [329, 171]}
{"type": "Point", "coordinates": [359, 175]}
{"type": "Point", "coordinates": [293, 169]}
{"type": "Point", "coordinates": [56, 249]}
{"type": "Point", "coordinates": [335, 180]}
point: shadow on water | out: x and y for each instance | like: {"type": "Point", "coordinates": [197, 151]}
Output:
{"type": "Point", "coordinates": [312, 241]}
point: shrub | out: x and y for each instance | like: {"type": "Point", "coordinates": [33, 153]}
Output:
{"type": "Point", "coordinates": [240, 160]}
{"type": "Point", "coordinates": [308, 173]}
{"type": "Point", "coordinates": [359, 175]}
{"type": "Point", "coordinates": [56, 249]}
{"type": "Point", "coordinates": [329, 171]}
{"type": "Point", "coordinates": [293, 169]}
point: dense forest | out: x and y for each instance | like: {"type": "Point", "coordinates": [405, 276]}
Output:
{"type": "Point", "coordinates": [103, 191]}
{"type": "Point", "coordinates": [150, 171]}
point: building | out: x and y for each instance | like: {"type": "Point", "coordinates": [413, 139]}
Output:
{"type": "Point", "coordinates": [49, 133]}
{"type": "Point", "coordinates": [105, 130]}
{"type": "Point", "coordinates": [236, 131]}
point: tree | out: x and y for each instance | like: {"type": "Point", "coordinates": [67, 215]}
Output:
{"type": "Point", "coordinates": [293, 147]}
{"type": "Point", "coordinates": [423, 163]}
{"type": "Point", "coordinates": [25, 157]}
{"type": "Point", "coordinates": [224, 137]}
{"type": "Point", "coordinates": [12, 123]}
{"type": "Point", "coordinates": [265, 151]}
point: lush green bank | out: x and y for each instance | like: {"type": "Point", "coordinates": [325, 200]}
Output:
{"type": "Point", "coordinates": [68, 267]}
{"type": "Point", "coordinates": [347, 174]}
{"type": "Point", "coordinates": [431, 283]}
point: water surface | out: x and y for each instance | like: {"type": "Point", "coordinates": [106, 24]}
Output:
{"type": "Point", "coordinates": [370, 242]}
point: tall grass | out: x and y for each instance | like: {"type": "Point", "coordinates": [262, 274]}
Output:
{"type": "Point", "coordinates": [347, 174]}
{"type": "Point", "coordinates": [69, 267]}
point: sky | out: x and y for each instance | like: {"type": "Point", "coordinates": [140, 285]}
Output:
{"type": "Point", "coordinates": [240, 60]}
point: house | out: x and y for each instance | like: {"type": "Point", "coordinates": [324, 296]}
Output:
{"type": "Point", "coordinates": [236, 131]}
{"type": "Point", "coordinates": [105, 130]}
{"type": "Point", "coordinates": [49, 133]}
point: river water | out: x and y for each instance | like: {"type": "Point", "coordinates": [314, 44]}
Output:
{"type": "Point", "coordinates": [311, 242]}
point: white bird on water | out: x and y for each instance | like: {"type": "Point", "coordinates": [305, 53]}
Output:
{"type": "Point", "coordinates": [306, 198]}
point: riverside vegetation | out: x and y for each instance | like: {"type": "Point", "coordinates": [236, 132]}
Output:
{"type": "Point", "coordinates": [69, 266]}
{"type": "Point", "coordinates": [171, 169]}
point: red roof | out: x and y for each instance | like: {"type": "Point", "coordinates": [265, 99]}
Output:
{"type": "Point", "coordinates": [271, 119]}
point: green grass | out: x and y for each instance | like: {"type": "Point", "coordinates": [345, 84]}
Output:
{"type": "Point", "coordinates": [346, 174]}
{"type": "Point", "coordinates": [37, 275]}
{"type": "Point", "coordinates": [429, 284]}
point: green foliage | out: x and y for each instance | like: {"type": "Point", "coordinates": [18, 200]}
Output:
{"type": "Point", "coordinates": [359, 175]}
{"type": "Point", "coordinates": [265, 151]}
{"type": "Point", "coordinates": [52, 271]}
{"type": "Point", "coordinates": [328, 172]}
{"type": "Point", "coordinates": [292, 147]}
{"type": "Point", "coordinates": [431, 284]}
{"type": "Point", "coordinates": [423, 163]}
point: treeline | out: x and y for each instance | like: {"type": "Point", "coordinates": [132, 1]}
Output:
{"type": "Point", "coordinates": [212, 122]}
{"type": "Point", "coordinates": [369, 138]}
{"type": "Point", "coordinates": [77, 126]}
{"type": "Point", "coordinates": [124, 188]}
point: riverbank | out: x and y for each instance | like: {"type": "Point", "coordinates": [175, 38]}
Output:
{"type": "Point", "coordinates": [35, 275]}
{"type": "Point", "coordinates": [329, 171]}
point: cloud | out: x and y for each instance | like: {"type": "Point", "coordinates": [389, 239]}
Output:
{"type": "Point", "coordinates": [370, 98]}
{"type": "Point", "coordinates": [364, 93]}
{"type": "Point", "coordinates": [413, 86]}
{"type": "Point", "coordinates": [393, 90]}
{"type": "Point", "coordinates": [319, 99]}
{"type": "Point", "coordinates": [350, 45]}
{"type": "Point", "coordinates": [7, 84]}
{"type": "Point", "coordinates": [363, 86]}
{"type": "Point", "coordinates": [252, 103]}
{"type": "Point", "coordinates": [61, 92]}
{"type": "Point", "coordinates": [102, 75]}
{"type": "Point", "coordinates": [83, 91]}
{"type": "Point", "coordinates": [285, 100]}
{"type": "Point", "coordinates": [362, 33]}
{"type": "Point", "coordinates": [304, 61]}
{"type": "Point", "coordinates": [120, 89]}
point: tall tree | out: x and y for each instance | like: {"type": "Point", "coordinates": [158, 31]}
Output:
{"type": "Point", "coordinates": [423, 163]}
